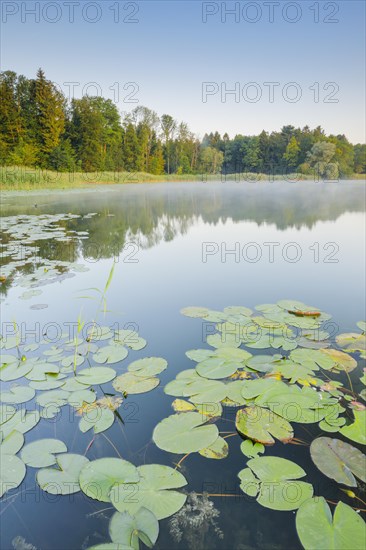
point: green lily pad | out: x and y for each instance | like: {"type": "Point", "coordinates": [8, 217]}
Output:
{"type": "Point", "coordinates": [133, 384]}
{"type": "Point", "coordinates": [127, 530]}
{"type": "Point", "coordinates": [152, 491]}
{"type": "Point", "coordinates": [263, 363]}
{"type": "Point", "coordinates": [251, 449]}
{"type": "Point", "coordinates": [11, 444]}
{"type": "Point", "coordinates": [98, 418]}
{"type": "Point", "coordinates": [338, 460]}
{"type": "Point", "coordinates": [317, 529]}
{"type": "Point", "coordinates": [184, 433]}
{"type": "Point", "coordinates": [78, 397]}
{"type": "Point", "coordinates": [362, 325]}
{"type": "Point", "coordinates": [95, 375]}
{"type": "Point", "coordinates": [271, 479]}
{"type": "Point", "coordinates": [196, 312]}
{"type": "Point", "coordinates": [352, 342]}
{"type": "Point", "coordinates": [218, 450]}
{"type": "Point", "coordinates": [223, 341]}
{"type": "Point", "coordinates": [12, 473]}
{"type": "Point", "coordinates": [312, 359]}
{"type": "Point", "coordinates": [41, 370]}
{"type": "Point", "coordinates": [199, 355]}
{"type": "Point", "coordinates": [357, 430]}
{"type": "Point", "coordinates": [99, 476]}
{"type": "Point", "coordinates": [41, 453]}
{"type": "Point", "coordinates": [342, 361]}
{"type": "Point", "coordinates": [148, 366]}
{"type": "Point", "coordinates": [17, 394]}
{"type": "Point", "coordinates": [110, 354]}
{"type": "Point", "coordinates": [22, 421]}
{"type": "Point", "coordinates": [63, 480]}
{"type": "Point", "coordinates": [261, 424]}
{"type": "Point", "coordinates": [14, 370]}
{"type": "Point", "coordinates": [216, 368]}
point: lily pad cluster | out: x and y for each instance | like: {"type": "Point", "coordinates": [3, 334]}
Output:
{"type": "Point", "coordinates": [64, 375]}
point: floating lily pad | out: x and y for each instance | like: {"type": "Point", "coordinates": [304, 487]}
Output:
{"type": "Point", "coordinates": [148, 366]}
{"type": "Point", "coordinates": [99, 476]}
{"type": "Point", "coordinates": [152, 491]}
{"type": "Point", "coordinates": [271, 479]}
{"type": "Point", "coordinates": [98, 418]}
{"type": "Point", "coordinates": [251, 449]}
{"type": "Point", "coordinates": [342, 361]}
{"type": "Point", "coordinates": [133, 384]}
{"type": "Point", "coordinates": [13, 370]}
{"type": "Point", "coordinates": [218, 450]}
{"type": "Point", "coordinates": [338, 460]}
{"type": "Point", "coordinates": [216, 368]}
{"type": "Point", "coordinates": [95, 375]}
{"type": "Point", "coordinates": [110, 354]}
{"type": "Point", "coordinates": [261, 424]}
{"type": "Point", "coordinates": [223, 341]}
{"type": "Point", "coordinates": [63, 480]}
{"type": "Point", "coordinates": [357, 430]}
{"type": "Point", "coordinates": [317, 529]}
{"type": "Point", "coordinates": [184, 433]}
{"type": "Point", "coordinates": [17, 394]}
{"type": "Point", "coordinates": [41, 453]}
{"type": "Point", "coordinates": [195, 312]}
{"type": "Point", "coordinates": [22, 421]}
{"type": "Point", "coordinates": [12, 473]}
{"type": "Point", "coordinates": [11, 444]}
{"type": "Point", "coordinates": [126, 530]}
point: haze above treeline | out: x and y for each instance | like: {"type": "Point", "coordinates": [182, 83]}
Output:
{"type": "Point", "coordinates": [40, 128]}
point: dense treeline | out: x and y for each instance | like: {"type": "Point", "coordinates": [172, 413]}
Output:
{"type": "Point", "coordinates": [38, 127]}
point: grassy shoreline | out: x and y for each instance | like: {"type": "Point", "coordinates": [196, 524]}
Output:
{"type": "Point", "coordinates": [14, 178]}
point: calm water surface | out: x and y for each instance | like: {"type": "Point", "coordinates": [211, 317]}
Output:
{"type": "Point", "coordinates": [176, 245]}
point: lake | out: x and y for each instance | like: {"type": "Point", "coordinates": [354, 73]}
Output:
{"type": "Point", "coordinates": [173, 246]}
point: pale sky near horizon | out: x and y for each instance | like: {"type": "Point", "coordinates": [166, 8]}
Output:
{"type": "Point", "coordinates": [300, 63]}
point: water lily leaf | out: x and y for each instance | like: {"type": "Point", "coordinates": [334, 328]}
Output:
{"type": "Point", "coordinates": [342, 361]}
{"type": "Point", "coordinates": [95, 375]}
{"type": "Point", "coordinates": [133, 384]}
{"type": "Point", "coordinates": [195, 312]}
{"type": "Point", "coordinates": [98, 418]}
{"type": "Point", "coordinates": [202, 390]}
{"type": "Point", "coordinates": [352, 342]}
{"type": "Point", "coordinates": [317, 529]}
{"type": "Point", "coordinates": [77, 398]}
{"type": "Point", "coordinates": [276, 487]}
{"type": "Point", "coordinates": [216, 368]}
{"type": "Point", "coordinates": [238, 310]}
{"type": "Point", "coordinates": [295, 305]}
{"type": "Point", "coordinates": [199, 355]}
{"type": "Point", "coordinates": [111, 546]}
{"type": "Point", "coordinates": [251, 449]}
{"type": "Point", "coordinates": [110, 354]}
{"type": "Point", "coordinates": [338, 460]}
{"type": "Point", "coordinates": [218, 450]}
{"type": "Point", "coordinates": [362, 325]}
{"type": "Point", "coordinates": [22, 421]}
{"type": "Point", "coordinates": [63, 480]}
{"type": "Point", "coordinates": [127, 530]}
{"type": "Point", "coordinates": [312, 358]}
{"type": "Point", "coordinates": [53, 397]}
{"type": "Point", "coordinates": [98, 477]}
{"type": "Point", "coordinates": [72, 385]}
{"type": "Point", "coordinates": [357, 430]}
{"type": "Point", "coordinates": [41, 370]}
{"type": "Point", "coordinates": [72, 360]}
{"type": "Point", "coordinates": [17, 394]}
{"type": "Point", "coordinates": [184, 433]}
{"type": "Point", "coordinates": [253, 388]}
{"type": "Point", "coordinates": [15, 369]}
{"type": "Point", "coordinates": [263, 363]}
{"type": "Point", "coordinates": [152, 491]}
{"type": "Point", "coordinates": [41, 453]}
{"type": "Point", "coordinates": [129, 338]}
{"type": "Point", "coordinates": [52, 382]}
{"type": "Point", "coordinates": [99, 333]}
{"type": "Point", "coordinates": [11, 444]}
{"type": "Point", "coordinates": [223, 341]}
{"type": "Point", "coordinates": [261, 424]}
{"type": "Point", "coordinates": [233, 354]}
{"type": "Point", "coordinates": [148, 366]}
{"type": "Point", "coordinates": [179, 405]}
{"type": "Point", "coordinates": [234, 393]}
{"type": "Point", "coordinates": [12, 472]}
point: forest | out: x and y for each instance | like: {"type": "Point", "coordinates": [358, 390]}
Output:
{"type": "Point", "coordinates": [40, 128]}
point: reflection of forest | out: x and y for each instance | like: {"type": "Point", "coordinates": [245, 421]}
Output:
{"type": "Point", "coordinates": [148, 214]}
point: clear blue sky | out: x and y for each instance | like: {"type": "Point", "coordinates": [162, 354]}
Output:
{"type": "Point", "coordinates": [170, 51]}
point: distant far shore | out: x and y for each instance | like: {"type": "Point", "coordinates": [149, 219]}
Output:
{"type": "Point", "coordinates": [16, 178]}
